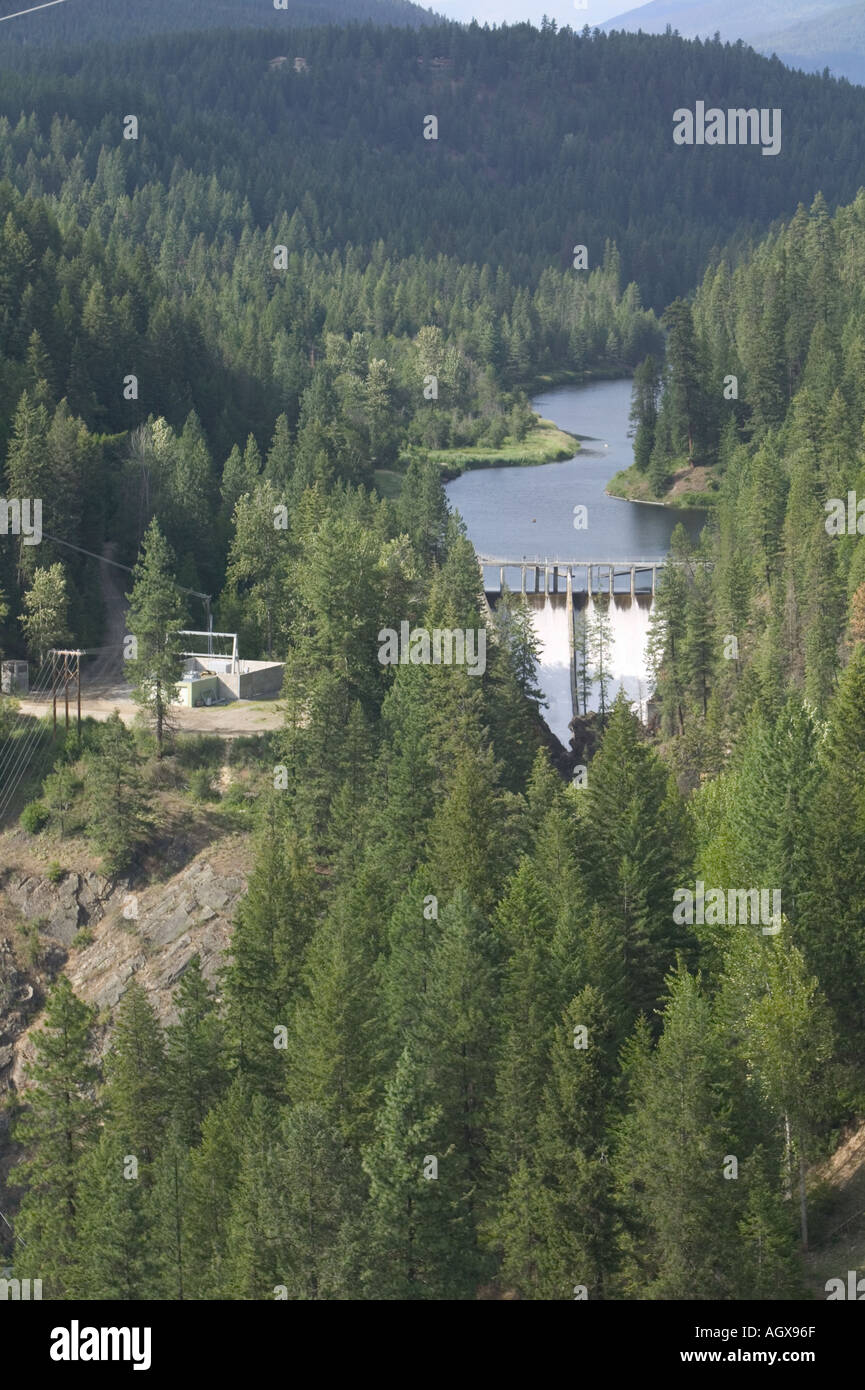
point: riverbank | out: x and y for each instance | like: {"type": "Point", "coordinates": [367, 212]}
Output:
{"type": "Point", "coordinates": [689, 489]}
{"type": "Point", "coordinates": [544, 443]}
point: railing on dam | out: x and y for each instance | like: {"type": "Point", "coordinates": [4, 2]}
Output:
{"type": "Point", "coordinates": [592, 572]}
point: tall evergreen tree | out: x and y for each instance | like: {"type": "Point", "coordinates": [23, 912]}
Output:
{"type": "Point", "coordinates": [156, 612]}
{"type": "Point", "coordinates": [58, 1127]}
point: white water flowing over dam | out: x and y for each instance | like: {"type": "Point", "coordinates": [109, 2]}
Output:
{"type": "Point", "coordinates": [518, 513]}
{"type": "Point", "coordinates": [629, 620]}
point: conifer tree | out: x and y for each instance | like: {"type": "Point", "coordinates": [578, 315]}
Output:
{"type": "Point", "coordinates": [58, 1127]}
{"type": "Point", "coordinates": [135, 1073]}
{"type": "Point", "coordinates": [644, 410]}
{"type": "Point", "coordinates": [275, 922]}
{"type": "Point", "coordinates": [335, 1042]}
{"type": "Point", "coordinates": [156, 613]}
{"type": "Point", "coordinates": [196, 1072]}
{"type": "Point", "coordinates": [601, 647]}
{"type": "Point", "coordinates": [296, 1210]}
{"type": "Point", "coordinates": [167, 1204]}
{"type": "Point", "coordinates": [210, 1181]}
{"type": "Point", "coordinates": [413, 1201]}
{"type": "Point", "coordinates": [526, 1015]}
{"type": "Point", "coordinates": [117, 805]}
{"type": "Point", "coordinates": [556, 1225]}
{"type": "Point", "coordinates": [832, 927]}
{"type": "Point", "coordinates": [638, 842]}
{"type": "Point", "coordinates": [113, 1251]}
{"type": "Point", "coordinates": [456, 1045]}
{"type": "Point", "coordinates": [680, 1214]}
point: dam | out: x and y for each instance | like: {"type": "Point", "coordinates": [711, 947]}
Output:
{"type": "Point", "coordinates": [520, 521]}
{"type": "Point", "coordinates": [568, 600]}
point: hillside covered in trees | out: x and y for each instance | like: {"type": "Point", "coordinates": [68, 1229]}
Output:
{"type": "Point", "coordinates": [462, 1044]}
{"type": "Point", "coordinates": [546, 140]}
{"type": "Point", "coordinates": [125, 19]}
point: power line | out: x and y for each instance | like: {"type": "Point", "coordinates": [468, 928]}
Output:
{"type": "Point", "coordinates": [116, 563]}
{"type": "Point", "coordinates": [21, 753]}
{"type": "Point", "coordinates": [22, 720]}
{"type": "Point", "coordinates": [46, 6]}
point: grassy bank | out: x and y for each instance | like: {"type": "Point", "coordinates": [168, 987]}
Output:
{"type": "Point", "coordinates": [544, 443]}
{"type": "Point", "coordinates": [688, 488]}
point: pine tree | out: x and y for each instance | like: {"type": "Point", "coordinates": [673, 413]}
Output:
{"type": "Point", "coordinates": [274, 924]}
{"type": "Point", "coordinates": [196, 1073]}
{"type": "Point", "coordinates": [156, 613]}
{"type": "Point", "coordinates": [644, 410]}
{"type": "Point", "coordinates": [257, 563]}
{"type": "Point", "coordinates": [116, 803]}
{"type": "Point", "coordinates": [769, 1268]}
{"type": "Point", "coordinates": [56, 1130]}
{"type": "Point", "coordinates": [296, 1210]}
{"type": "Point", "coordinates": [456, 1045]}
{"type": "Point", "coordinates": [210, 1182]}
{"type": "Point", "coordinates": [832, 921]}
{"type": "Point", "coordinates": [689, 415]}
{"type": "Point", "coordinates": [556, 1223]}
{"type": "Point", "coordinates": [601, 647]}
{"type": "Point", "coordinates": [412, 1199]}
{"type": "Point", "coordinates": [526, 1015]}
{"type": "Point", "coordinates": [113, 1251]}
{"type": "Point", "coordinates": [135, 1073]}
{"type": "Point", "coordinates": [167, 1204]}
{"type": "Point", "coordinates": [680, 1213]}
{"type": "Point", "coordinates": [637, 843]}
{"type": "Point", "coordinates": [335, 1046]}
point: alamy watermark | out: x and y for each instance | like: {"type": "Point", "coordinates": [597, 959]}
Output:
{"type": "Point", "coordinates": [854, 1289]}
{"type": "Point", "coordinates": [441, 647]}
{"type": "Point", "coordinates": [713, 907]}
{"type": "Point", "coordinates": [17, 518]}
{"type": "Point", "coordinates": [77, 1343]}
{"type": "Point", "coordinates": [736, 126]}
{"type": "Point", "coordinates": [20, 1290]}
{"type": "Point", "coordinates": [845, 519]}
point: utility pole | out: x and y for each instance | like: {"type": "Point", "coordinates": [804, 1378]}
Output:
{"type": "Point", "coordinates": [71, 672]}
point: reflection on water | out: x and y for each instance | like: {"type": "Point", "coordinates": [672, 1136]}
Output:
{"type": "Point", "coordinates": [518, 513]}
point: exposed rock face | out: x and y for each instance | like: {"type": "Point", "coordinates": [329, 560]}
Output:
{"type": "Point", "coordinates": [152, 934]}
{"type": "Point", "coordinates": [77, 900]}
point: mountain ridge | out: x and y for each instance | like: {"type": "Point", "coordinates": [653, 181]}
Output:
{"type": "Point", "coordinates": [817, 34]}
{"type": "Point", "coordinates": [124, 19]}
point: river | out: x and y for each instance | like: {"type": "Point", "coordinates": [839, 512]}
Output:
{"type": "Point", "coordinates": [517, 512]}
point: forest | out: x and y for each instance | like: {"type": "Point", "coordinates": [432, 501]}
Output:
{"type": "Point", "coordinates": [119, 20]}
{"type": "Point", "coordinates": [546, 140]}
{"type": "Point", "coordinates": [460, 1046]}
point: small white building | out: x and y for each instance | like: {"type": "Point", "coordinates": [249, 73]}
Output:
{"type": "Point", "coordinates": [14, 677]}
{"type": "Point", "coordinates": [210, 679]}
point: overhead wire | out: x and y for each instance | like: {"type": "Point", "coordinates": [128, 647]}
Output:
{"type": "Point", "coordinates": [21, 753]}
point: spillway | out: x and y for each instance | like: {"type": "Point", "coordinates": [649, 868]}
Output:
{"type": "Point", "coordinates": [629, 621]}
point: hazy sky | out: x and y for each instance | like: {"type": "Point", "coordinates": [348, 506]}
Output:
{"type": "Point", "coordinates": [512, 11]}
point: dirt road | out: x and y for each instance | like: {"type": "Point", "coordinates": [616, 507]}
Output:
{"type": "Point", "coordinates": [229, 721]}
{"type": "Point", "coordinates": [104, 687]}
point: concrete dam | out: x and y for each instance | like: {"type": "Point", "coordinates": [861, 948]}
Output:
{"type": "Point", "coordinates": [562, 596]}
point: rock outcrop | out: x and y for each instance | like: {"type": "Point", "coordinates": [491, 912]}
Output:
{"type": "Point", "coordinates": [151, 933]}
{"type": "Point", "coordinates": [76, 900]}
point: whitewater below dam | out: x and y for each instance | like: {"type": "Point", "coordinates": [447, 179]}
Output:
{"type": "Point", "coordinates": [528, 513]}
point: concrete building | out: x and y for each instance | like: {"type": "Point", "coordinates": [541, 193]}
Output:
{"type": "Point", "coordinates": [209, 679]}
{"type": "Point", "coordinates": [14, 677]}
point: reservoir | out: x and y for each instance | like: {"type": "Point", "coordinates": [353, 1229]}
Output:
{"type": "Point", "coordinates": [528, 513]}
